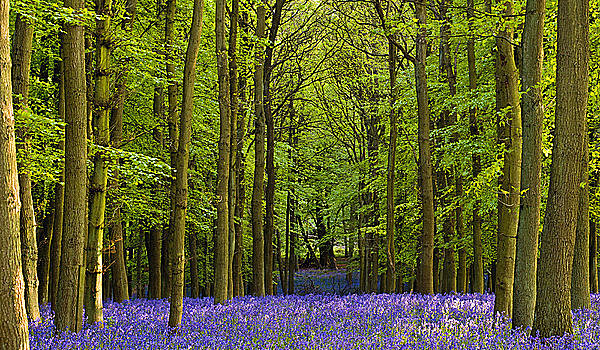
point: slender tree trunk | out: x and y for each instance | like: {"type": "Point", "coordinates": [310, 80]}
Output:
{"type": "Point", "coordinates": [183, 155]}
{"type": "Point", "coordinates": [120, 282]}
{"type": "Point", "coordinates": [222, 262]}
{"type": "Point", "coordinates": [507, 97]}
{"type": "Point", "coordinates": [59, 195]}
{"type": "Point", "coordinates": [391, 168]}
{"type": "Point", "coordinates": [474, 130]}
{"type": "Point", "coordinates": [153, 252]}
{"type": "Point", "coordinates": [139, 285]}
{"type": "Point", "coordinates": [258, 252]}
{"type": "Point", "coordinates": [195, 286]}
{"type": "Point", "coordinates": [166, 260]}
{"type": "Point", "coordinates": [270, 161]}
{"type": "Point", "coordinates": [14, 334]}
{"type": "Point", "coordinates": [593, 258]}
{"type": "Point", "coordinates": [43, 268]}
{"type": "Point", "coordinates": [233, 167]}
{"type": "Point", "coordinates": [69, 308]}
{"type": "Point", "coordinates": [425, 167]}
{"type": "Point", "coordinates": [531, 170]}
{"type": "Point", "coordinates": [240, 164]}
{"type": "Point", "coordinates": [98, 181]}
{"type": "Point", "coordinates": [580, 282]}
{"type": "Point", "coordinates": [21, 61]}
{"type": "Point", "coordinates": [553, 298]}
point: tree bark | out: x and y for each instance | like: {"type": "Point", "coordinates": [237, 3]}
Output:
{"type": "Point", "coordinates": [531, 170]}
{"type": "Point", "coordinates": [69, 308]}
{"type": "Point", "coordinates": [21, 62]}
{"type": "Point", "coordinates": [183, 155]}
{"type": "Point", "coordinates": [222, 261]}
{"type": "Point", "coordinates": [258, 249]}
{"type": "Point", "coordinates": [14, 334]}
{"type": "Point", "coordinates": [509, 135]}
{"type": "Point", "coordinates": [425, 168]}
{"type": "Point", "coordinates": [553, 298]}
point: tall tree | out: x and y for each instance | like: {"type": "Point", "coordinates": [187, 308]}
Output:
{"type": "Point", "coordinates": [258, 245]}
{"type": "Point", "coordinates": [14, 334]}
{"type": "Point", "coordinates": [531, 170]}
{"type": "Point", "coordinates": [99, 178]}
{"type": "Point", "coordinates": [425, 278]}
{"type": "Point", "coordinates": [509, 136]}
{"type": "Point", "coordinates": [391, 169]}
{"type": "Point", "coordinates": [233, 148]}
{"type": "Point", "coordinates": [553, 296]}
{"type": "Point", "coordinates": [69, 308]}
{"type": "Point", "coordinates": [222, 262]}
{"type": "Point", "coordinates": [21, 61]}
{"type": "Point", "coordinates": [183, 156]}
{"type": "Point", "coordinates": [476, 159]}
{"type": "Point", "coordinates": [166, 260]}
{"type": "Point", "coordinates": [59, 195]}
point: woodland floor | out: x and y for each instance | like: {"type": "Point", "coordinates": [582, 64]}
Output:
{"type": "Point", "coordinates": [316, 321]}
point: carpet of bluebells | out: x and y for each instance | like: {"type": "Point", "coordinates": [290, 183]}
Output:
{"type": "Point", "coordinates": [315, 321]}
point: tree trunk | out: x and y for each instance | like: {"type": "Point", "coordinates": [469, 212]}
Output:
{"type": "Point", "coordinates": [233, 167]}
{"type": "Point", "coordinates": [153, 252]}
{"type": "Point", "coordinates": [580, 282]}
{"type": "Point", "coordinates": [98, 181]}
{"type": "Point", "coordinates": [120, 282]}
{"type": "Point", "coordinates": [474, 130]}
{"type": "Point", "coordinates": [43, 268]}
{"type": "Point", "coordinates": [69, 308]}
{"type": "Point", "coordinates": [391, 168]}
{"type": "Point", "coordinates": [425, 167]}
{"type": "Point", "coordinates": [195, 288]}
{"type": "Point", "coordinates": [59, 195]}
{"type": "Point", "coordinates": [258, 249]}
{"type": "Point", "coordinates": [553, 297]}
{"type": "Point", "coordinates": [507, 97]}
{"type": "Point", "coordinates": [222, 261]}
{"type": "Point", "coordinates": [239, 165]}
{"type": "Point", "coordinates": [21, 61]}
{"type": "Point", "coordinates": [139, 285]}
{"type": "Point", "coordinates": [531, 170]}
{"type": "Point", "coordinates": [270, 161]}
{"type": "Point", "coordinates": [166, 256]}
{"type": "Point", "coordinates": [183, 155]}
{"type": "Point", "coordinates": [593, 258]}
{"type": "Point", "coordinates": [14, 334]}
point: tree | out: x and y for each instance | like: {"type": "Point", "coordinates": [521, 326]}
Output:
{"type": "Point", "coordinates": [258, 250]}
{"type": "Point", "coordinates": [553, 297]}
{"type": "Point", "coordinates": [183, 155]}
{"type": "Point", "coordinates": [531, 170]}
{"type": "Point", "coordinates": [509, 136]}
{"type": "Point", "coordinates": [21, 61]}
{"type": "Point", "coordinates": [14, 334]}
{"type": "Point", "coordinates": [69, 308]}
{"type": "Point", "coordinates": [222, 262]}
{"type": "Point", "coordinates": [101, 131]}
{"type": "Point", "coordinates": [426, 272]}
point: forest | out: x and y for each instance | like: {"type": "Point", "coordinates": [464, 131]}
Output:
{"type": "Point", "coordinates": [299, 174]}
